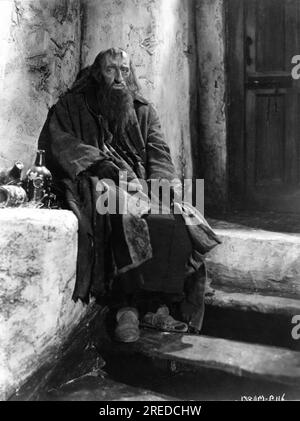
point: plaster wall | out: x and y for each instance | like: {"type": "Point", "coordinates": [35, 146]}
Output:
{"type": "Point", "coordinates": [39, 50]}
{"type": "Point", "coordinates": [159, 35]}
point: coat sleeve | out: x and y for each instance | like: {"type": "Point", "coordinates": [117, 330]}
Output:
{"type": "Point", "coordinates": [69, 151]}
{"type": "Point", "coordinates": [159, 162]}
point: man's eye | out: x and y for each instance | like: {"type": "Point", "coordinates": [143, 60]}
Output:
{"type": "Point", "coordinates": [109, 70]}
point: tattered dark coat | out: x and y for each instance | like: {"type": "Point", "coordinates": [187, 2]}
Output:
{"type": "Point", "coordinates": [73, 136]}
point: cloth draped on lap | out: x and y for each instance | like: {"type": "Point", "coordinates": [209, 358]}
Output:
{"type": "Point", "coordinates": [167, 249]}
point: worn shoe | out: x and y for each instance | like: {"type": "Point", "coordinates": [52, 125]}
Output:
{"type": "Point", "coordinates": [127, 329]}
{"type": "Point", "coordinates": [162, 320]}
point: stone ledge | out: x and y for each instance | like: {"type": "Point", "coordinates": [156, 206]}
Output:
{"type": "Point", "coordinates": [38, 251]}
{"type": "Point", "coordinates": [255, 260]}
{"type": "Point", "coordinates": [258, 303]}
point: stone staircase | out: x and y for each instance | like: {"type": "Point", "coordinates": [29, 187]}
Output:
{"type": "Point", "coordinates": [246, 347]}
{"type": "Point", "coordinates": [256, 282]}
{"type": "Point", "coordinates": [255, 279]}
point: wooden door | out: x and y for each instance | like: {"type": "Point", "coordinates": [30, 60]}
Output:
{"type": "Point", "coordinates": [264, 152]}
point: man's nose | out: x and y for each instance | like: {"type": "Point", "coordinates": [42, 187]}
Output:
{"type": "Point", "coordinates": [118, 77]}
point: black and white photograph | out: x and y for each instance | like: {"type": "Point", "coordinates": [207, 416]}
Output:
{"type": "Point", "coordinates": [149, 203]}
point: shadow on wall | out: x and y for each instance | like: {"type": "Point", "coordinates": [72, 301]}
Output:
{"type": "Point", "coordinates": [210, 37]}
{"type": "Point", "coordinates": [191, 53]}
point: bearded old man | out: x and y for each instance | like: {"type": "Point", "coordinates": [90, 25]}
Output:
{"type": "Point", "coordinates": [147, 266]}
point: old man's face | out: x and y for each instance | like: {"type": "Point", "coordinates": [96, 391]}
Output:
{"type": "Point", "coordinates": [116, 70]}
{"type": "Point", "coordinates": [115, 96]}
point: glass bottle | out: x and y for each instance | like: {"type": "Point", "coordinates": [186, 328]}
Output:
{"type": "Point", "coordinates": [12, 176]}
{"type": "Point", "coordinates": [38, 179]}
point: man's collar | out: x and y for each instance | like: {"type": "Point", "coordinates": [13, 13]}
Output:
{"type": "Point", "coordinates": [141, 99]}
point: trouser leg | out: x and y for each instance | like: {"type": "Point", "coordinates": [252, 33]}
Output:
{"type": "Point", "coordinates": [161, 279]}
{"type": "Point", "coordinates": [171, 248]}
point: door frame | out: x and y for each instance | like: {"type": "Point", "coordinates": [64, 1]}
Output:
{"type": "Point", "coordinates": [235, 100]}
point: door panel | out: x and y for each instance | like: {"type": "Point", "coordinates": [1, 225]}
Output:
{"type": "Point", "coordinates": [271, 137]}
{"type": "Point", "coordinates": [269, 27]}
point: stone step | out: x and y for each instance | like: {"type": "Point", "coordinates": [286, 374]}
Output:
{"type": "Point", "coordinates": [255, 260]}
{"type": "Point", "coordinates": [95, 388]}
{"type": "Point", "coordinates": [254, 302]}
{"type": "Point", "coordinates": [264, 363]}
{"type": "Point", "coordinates": [252, 317]}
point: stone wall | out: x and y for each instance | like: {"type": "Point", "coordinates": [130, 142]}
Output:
{"type": "Point", "coordinates": [210, 34]}
{"type": "Point", "coordinates": [40, 51]}
{"type": "Point", "coordinates": [38, 250]}
{"type": "Point", "coordinates": [159, 34]}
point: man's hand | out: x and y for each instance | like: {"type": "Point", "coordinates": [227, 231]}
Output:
{"type": "Point", "coordinates": [105, 169]}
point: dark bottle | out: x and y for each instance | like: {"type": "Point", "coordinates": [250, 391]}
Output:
{"type": "Point", "coordinates": [12, 176]}
{"type": "Point", "coordinates": [38, 179]}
